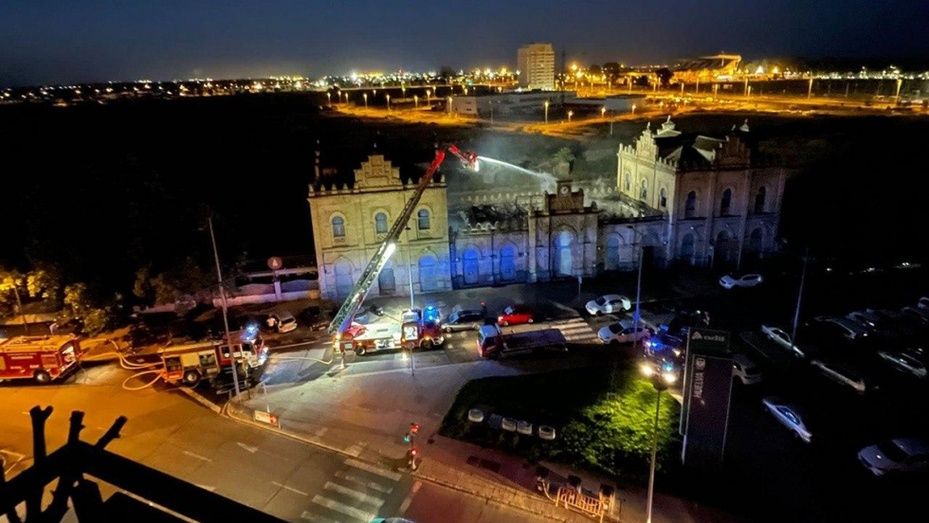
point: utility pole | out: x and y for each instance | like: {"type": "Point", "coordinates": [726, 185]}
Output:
{"type": "Point", "coordinates": [222, 294]}
{"type": "Point", "coordinates": [19, 305]}
{"type": "Point", "coordinates": [793, 333]}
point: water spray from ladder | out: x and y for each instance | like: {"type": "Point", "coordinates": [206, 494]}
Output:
{"type": "Point", "coordinates": [546, 177]}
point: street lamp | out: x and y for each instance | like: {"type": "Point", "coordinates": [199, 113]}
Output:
{"type": "Point", "coordinates": [416, 101]}
{"type": "Point", "coordinates": [661, 382]}
{"type": "Point", "coordinates": [546, 112]}
{"type": "Point", "coordinates": [570, 114]}
{"type": "Point", "coordinates": [603, 112]}
{"type": "Point", "coordinates": [388, 102]}
{"type": "Point", "coordinates": [633, 108]}
{"type": "Point", "coordinates": [449, 105]}
{"type": "Point", "coordinates": [222, 295]}
{"type": "Point", "coordinates": [638, 289]}
{"type": "Point", "coordinates": [365, 96]}
{"type": "Point", "coordinates": [329, 99]}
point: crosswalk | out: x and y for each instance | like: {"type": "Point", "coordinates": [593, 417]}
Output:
{"type": "Point", "coordinates": [358, 491]}
{"type": "Point", "coordinates": [575, 330]}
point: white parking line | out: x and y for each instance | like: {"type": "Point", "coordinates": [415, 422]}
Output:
{"type": "Point", "coordinates": [343, 508]}
{"type": "Point", "coordinates": [409, 499]}
{"type": "Point", "coordinates": [309, 516]}
{"type": "Point", "coordinates": [285, 487]}
{"type": "Point", "coordinates": [197, 456]}
{"type": "Point", "coordinates": [352, 493]}
{"type": "Point", "coordinates": [384, 473]}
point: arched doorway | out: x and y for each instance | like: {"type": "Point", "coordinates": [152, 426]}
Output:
{"type": "Point", "coordinates": [470, 264]}
{"type": "Point", "coordinates": [386, 282]}
{"type": "Point", "coordinates": [343, 278]}
{"type": "Point", "coordinates": [755, 245]}
{"type": "Point", "coordinates": [564, 260]}
{"type": "Point", "coordinates": [613, 245]}
{"type": "Point", "coordinates": [508, 263]}
{"type": "Point", "coordinates": [687, 249]}
{"type": "Point", "coordinates": [722, 251]}
{"type": "Point", "coordinates": [428, 273]}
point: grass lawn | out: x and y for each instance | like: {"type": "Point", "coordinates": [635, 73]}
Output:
{"type": "Point", "coordinates": [608, 432]}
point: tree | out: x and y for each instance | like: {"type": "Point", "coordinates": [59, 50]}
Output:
{"type": "Point", "coordinates": [44, 282]}
{"type": "Point", "coordinates": [94, 319]}
{"type": "Point", "coordinates": [446, 72]}
{"type": "Point", "coordinates": [664, 76]}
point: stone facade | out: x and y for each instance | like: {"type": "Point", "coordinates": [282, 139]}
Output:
{"type": "Point", "coordinates": [351, 217]}
{"type": "Point", "coordinates": [721, 200]}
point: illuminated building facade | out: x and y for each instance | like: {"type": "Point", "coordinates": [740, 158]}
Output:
{"type": "Point", "coordinates": [536, 65]}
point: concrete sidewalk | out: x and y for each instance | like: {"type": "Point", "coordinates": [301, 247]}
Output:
{"type": "Point", "coordinates": [366, 417]}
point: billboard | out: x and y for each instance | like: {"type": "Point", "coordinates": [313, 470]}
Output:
{"type": "Point", "coordinates": [707, 391]}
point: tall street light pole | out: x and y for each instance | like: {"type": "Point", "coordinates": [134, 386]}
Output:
{"type": "Point", "coordinates": [793, 332]}
{"type": "Point", "coordinates": [660, 385]}
{"type": "Point", "coordinates": [638, 288]}
{"type": "Point", "coordinates": [222, 295]}
{"type": "Point", "coordinates": [546, 112]}
{"type": "Point", "coordinates": [409, 263]}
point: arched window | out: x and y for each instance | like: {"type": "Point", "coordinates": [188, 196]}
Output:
{"type": "Point", "coordinates": [380, 223]}
{"type": "Point", "coordinates": [690, 207]}
{"type": "Point", "coordinates": [423, 219]}
{"type": "Point", "coordinates": [338, 227]}
{"type": "Point", "coordinates": [627, 181]}
{"type": "Point", "coordinates": [663, 198]}
{"type": "Point", "coordinates": [725, 203]}
{"type": "Point", "coordinates": [760, 200]}
{"type": "Point", "coordinates": [643, 190]}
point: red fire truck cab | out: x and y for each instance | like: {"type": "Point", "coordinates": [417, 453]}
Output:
{"type": "Point", "coordinates": [42, 358]}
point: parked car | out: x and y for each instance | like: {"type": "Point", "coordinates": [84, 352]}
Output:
{"type": "Point", "coordinates": [923, 302]}
{"type": "Point", "coordinates": [789, 416]}
{"type": "Point", "coordinates": [866, 319]}
{"type": "Point", "coordinates": [608, 304]}
{"type": "Point", "coordinates": [896, 456]}
{"type": "Point", "coordinates": [745, 370]}
{"type": "Point", "coordinates": [916, 313]}
{"type": "Point", "coordinates": [841, 374]}
{"type": "Point", "coordinates": [623, 331]}
{"type": "Point", "coordinates": [463, 320]}
{"type": "Point", "coordinates": [686, 319]}
{"type": "Point", "coordinates": [515, 315]}
{"type": "Point", "coordinates": [843, 327]}
{"type": "Point", "coordinates": [747, 280]}
{"type": "Point", "coordinates": [904, 362]}
{"type": "Point", "coordinates": [280, 321]}
{"type": "Point", "coordinates": [782, 339]}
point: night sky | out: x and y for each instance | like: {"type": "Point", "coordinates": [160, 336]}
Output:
{"type": "Point", "coordinates": [65, 41]}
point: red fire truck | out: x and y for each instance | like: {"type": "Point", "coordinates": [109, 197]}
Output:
{"type": "Point", "coordinates": [192, 362]}
{"type": "Point", "coordinates": [413, 332]}
{"type": "Point", "coordinates": [42, 358]}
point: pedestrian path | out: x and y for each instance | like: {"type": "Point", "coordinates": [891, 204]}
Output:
{"type": "Point", "coordinates": [575, 330]}
{"type": "Point", "coordinates": [357, 491]}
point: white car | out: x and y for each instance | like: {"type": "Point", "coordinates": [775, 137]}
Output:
{"type": "Point", "coordinates": [841, 375]}
{"type": "Point", "coordinates": [782, 339]}
{"type": "Point", "coordinates": [623, 331]}
{"type": "Point", "coordinates": [789, 416]}
{"type": "Point", "coordinates": [747, 280]}
{"type": "Point", "coordinates": [608, 304]}
{"type": "Point", "coordinates": [744, 369]}
{"type": "Point", "coordinates": [904, 362]}
{"type": "Point", "coordinates": [899, 455]}
{"type": "Point", "coordinates": [923, 302]}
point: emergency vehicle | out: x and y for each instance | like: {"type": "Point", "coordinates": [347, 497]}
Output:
{"type": "Point", "coordinates": [42, 358]}
{"type": "Point", "coordinates": [414, 331]}
{"type": "Point", "coordinates": [190, 363]}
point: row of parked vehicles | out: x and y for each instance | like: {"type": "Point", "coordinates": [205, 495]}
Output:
{"type": "Point", "coordinates": [838, 347]}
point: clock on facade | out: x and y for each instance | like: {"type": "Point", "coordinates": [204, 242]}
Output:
{"type": "Point", "coordinates": [565, 189]}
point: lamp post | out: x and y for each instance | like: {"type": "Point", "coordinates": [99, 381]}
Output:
{"type": "Point", "coordinates": [570, 114]}
{"type": "Point", "coordinates": [365, 96]}
{"type": "Point", "coordinates": [603, 112]}
{"type": "Point", "coordinates": [329, 99]}
{"type": "Point", "coordinates": [388, 102]}
{"type": "Point", "coordinates": [661, 382]}
{"type": "Point", "coordinates": [409, 262]}
{"type": "Point", "coordinates": [793, 330]}
{"type": "Point", "coordinates": [449, 105]}
{"type": "Point", "coordinates": [546, 111]}
{"type": "Point", "coordinates": [415, 101]}
{"type": "Point", "coordinates": [222, 295]}
{"type": "Point", "coordinates": [633, 108]}
{"type": "Point", "coordinates": [638, 288]}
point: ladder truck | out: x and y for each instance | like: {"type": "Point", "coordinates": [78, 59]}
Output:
{"type": "Point", "coordinates": [341, 323]}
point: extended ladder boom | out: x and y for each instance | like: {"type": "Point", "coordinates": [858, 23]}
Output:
{"type": "Point", "coordinates": [352, 303]}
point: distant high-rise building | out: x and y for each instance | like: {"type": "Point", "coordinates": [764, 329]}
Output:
{"type": "Point", "coordinates": [536, 64]}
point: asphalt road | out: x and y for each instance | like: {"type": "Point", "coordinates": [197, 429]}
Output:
{"type": "Point", "coordinates": [281, 476]}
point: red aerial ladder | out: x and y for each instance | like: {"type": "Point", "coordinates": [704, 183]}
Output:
{"type": "Point", "coordinates": [343, 318]}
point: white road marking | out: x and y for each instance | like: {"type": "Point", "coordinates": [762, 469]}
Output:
{"type": "Point", "coordinates": [247, 447]}
{"type": "Point", "coordinates": [370, 485]}
{"type": "Point", "coordinates": [409, 498]}
{"type": "Point", "coordinates": [198, 456]}
{"type": "Point", "coordinates": [286, 487]}
{"type": "Point", "coordinates": [207, 487]}
{"type": "Point", "coordinates": [384, 473]}
{"type": "Point", "coordinates": [343, 508]}
{"type": "Point", "coordinates": [309, 516]}
{"type": "Point", "coordinates": [355, 450]}
{"type": "Point", "coordinates": [352, 493]}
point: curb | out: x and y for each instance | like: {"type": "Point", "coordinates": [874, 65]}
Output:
{"type": "Point", "coordinates": [199, 398]}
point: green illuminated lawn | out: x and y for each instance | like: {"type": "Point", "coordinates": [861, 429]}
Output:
{"type": "Point", "coordinates": [608, 432]}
